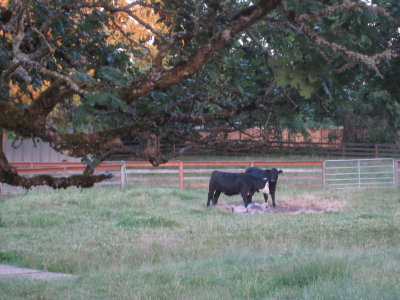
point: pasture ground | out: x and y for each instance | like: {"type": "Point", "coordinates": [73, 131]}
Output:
{"type": "Point", "coordinates": [142, 243]}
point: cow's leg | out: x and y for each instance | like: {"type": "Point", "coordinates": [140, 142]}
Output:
{"type": "Point", "coordinates": [250, 197]}
{"type": "Point", "coordinates": [272, 189]}
{"type": "Point", "coordinates": [210, 196]}
{"type": "Point", "coordinates": [246, 198]}
{"type": "Point", "coordinates": [216, 196]}
{"type": "Point", "coordinates": [265, 197]}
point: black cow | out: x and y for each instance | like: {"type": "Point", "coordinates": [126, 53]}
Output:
{"type": "Point", "coordinates": [234, 184]}
{"type": "Point", "coordinates": [272, 176]}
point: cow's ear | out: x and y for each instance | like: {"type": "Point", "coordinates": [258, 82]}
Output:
{"type": "Point", "coordinates": [280, 171]}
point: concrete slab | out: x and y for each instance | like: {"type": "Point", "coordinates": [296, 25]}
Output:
{"type": "Point", "coordinates": [7, 271]}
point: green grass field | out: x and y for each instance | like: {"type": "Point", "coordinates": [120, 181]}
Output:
{"type": "Point", "coordinates": [142, 243]}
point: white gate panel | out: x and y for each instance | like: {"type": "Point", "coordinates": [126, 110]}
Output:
{"type": "Point", "coordinates": [360, 173]}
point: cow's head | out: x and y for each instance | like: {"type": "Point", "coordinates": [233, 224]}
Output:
{"type": "Point", "coordinates": [274, 174]}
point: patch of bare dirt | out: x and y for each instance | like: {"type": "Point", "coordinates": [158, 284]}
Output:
{"type": "Point", "coordinates": [286, 206]}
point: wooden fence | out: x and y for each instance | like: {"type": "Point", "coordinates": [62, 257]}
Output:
{"type": "Point", "coordinates": [39, 151]}
{"type": "Point", "coordinates": [328, 150]}
{"type": "Point", "coordinates": [178, 174]}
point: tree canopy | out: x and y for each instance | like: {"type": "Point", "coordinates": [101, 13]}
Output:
{"type": "Point", "coordinates": [97, 78]}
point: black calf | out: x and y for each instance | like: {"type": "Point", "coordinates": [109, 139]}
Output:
{"type": "Point", "coordinates": [234, 184]}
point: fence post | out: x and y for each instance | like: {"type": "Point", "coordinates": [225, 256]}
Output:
{"type": "Point", "coordinates": [180, 174]}
{"type": "Point", "coordinates": [396, 173]}
{"type": "Point", "coordinates": [122, 173]}
{"type": "Point", "coordinates": [324, 174]}
{"type": "Point", "coordinates": [1, 189]}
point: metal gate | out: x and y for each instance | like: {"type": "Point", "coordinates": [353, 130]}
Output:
{"type": "Point", "coordinates": [360, 173]}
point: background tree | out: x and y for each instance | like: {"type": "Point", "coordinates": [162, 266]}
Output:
{"type": "Point", "coordinates": [96, 78]}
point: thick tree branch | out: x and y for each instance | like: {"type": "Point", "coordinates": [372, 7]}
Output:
{"type": "Point", "coordinates": [165, 79]}
{"type": "Point", "coordinates": [47, 100]}
{"type": "Point", "coordinates": [9, 175]}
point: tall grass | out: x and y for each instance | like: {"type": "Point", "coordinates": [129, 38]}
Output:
{"type": "Point", "coordinates": [158, 243]}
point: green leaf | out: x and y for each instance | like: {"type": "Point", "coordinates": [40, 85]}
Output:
{"type": "Point", "coordinates": [282, 77]}
{"type": "Point", "coordinates": [81, 113]}
{"type": "Point", "coordinates": [116, 102]}
{"type": "Point", "coordinates": [100, 99]}
{"type": "Point", "coordinates": [105, 99]}
{"type": "Point", "coordinates": [113, 75]}
{"type": "Point", "coordinates": [312, 77]}
{"type": "Point", "coordinates": [82, 76]}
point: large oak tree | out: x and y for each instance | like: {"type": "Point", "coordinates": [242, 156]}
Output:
{"type": "Point", "coordinates": [97, 78]}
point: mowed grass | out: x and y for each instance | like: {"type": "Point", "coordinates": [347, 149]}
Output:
{"type": "Point", "coordinates": [158, 243]}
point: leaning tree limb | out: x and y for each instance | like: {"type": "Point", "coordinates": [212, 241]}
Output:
{"type": "Point", "coordinates": [9, 175]}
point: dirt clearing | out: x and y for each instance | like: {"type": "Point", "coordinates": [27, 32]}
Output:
{"type": "Point", "coordinates": [283, 206]}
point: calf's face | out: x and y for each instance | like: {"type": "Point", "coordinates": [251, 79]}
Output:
{"type": "Point", "coordinates": [265, 190]}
